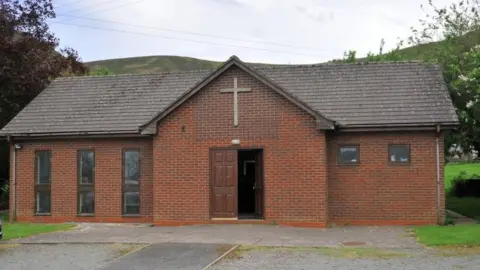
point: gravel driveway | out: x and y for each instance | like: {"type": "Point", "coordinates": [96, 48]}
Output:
{"type": "Point", "coordinates": [197, 256]}
{"type": "Point", "coordinates": [401, 259]}
{"type": "Point", "coordinates": [193, 247]}
{"type": "Point", "coordinates": [109, 256]}
{"type": "Point", "coordinates": [62, 256]}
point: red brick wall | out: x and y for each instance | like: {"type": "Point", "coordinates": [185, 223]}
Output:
{"type": "Point", "coordinates": [108, 179]}
{"type": "Point", "coordinates": [175, 186]}
{"type": "Point", "coordinates": [294, 152]}
{"type": "Point", "coordinates": [376, 192]}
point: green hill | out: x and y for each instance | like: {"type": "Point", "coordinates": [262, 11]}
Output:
{"type": "Point", "coordinates": [155, 64]}
{"type": "Point", "coordinates": [460, 44]}
{"type": "Point", "coordinates": [152, 64]}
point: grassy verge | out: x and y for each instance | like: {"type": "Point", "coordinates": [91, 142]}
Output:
{"type": "Point", "coordinates": [459, 235]}
{"type": "Point", "coordinates": [21, 230]}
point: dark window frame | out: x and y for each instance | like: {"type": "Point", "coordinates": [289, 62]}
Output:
{"type": "Point", "coordinates": [42, 187]}
{"type": "Point", "coordinates": [340, 146]}
{"type": "Point", "coordinates": [85, 187]}
{"type": "Point", "coordinates": [131, 187]}
{"type": "Point", "coordinates": [399, 162]}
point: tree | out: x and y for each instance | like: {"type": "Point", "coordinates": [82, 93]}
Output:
{"type": "Point", "coordinates": [101, 71]}
{"type": "Point", "coordinates": [30, 58]}
{"type": "Point", "coordinates": [350, 56]}
{"type": "Point", "coordinates": [448, 37]}
{"type": "Point", "coordinates": [465, 92]}
{"type": "Point", "coordinates": [455, 31]}
{"type": "Point", "coordinates": [393, 55]}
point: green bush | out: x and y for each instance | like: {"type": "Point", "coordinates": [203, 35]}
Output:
{"type": "Point", "coordinates": [4, 196]}
{"type": "Point", "coordinates": [448, 220]}
{"type": "Point", "coordinates": [462, 176]}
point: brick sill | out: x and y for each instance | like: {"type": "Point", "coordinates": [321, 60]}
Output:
{"type": "Point", "coordinates": [42, 214]}
{"type": "Point", "coordinates": [131, 215]}
{"type": "Point", "coordinates": [85, 215]}
{"type": "Point", "coordinates": [349, 165]}
{"type": "Point", "coordinates": [399, 164]}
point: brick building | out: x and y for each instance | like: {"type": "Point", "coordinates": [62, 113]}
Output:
{"type": "Point", "coordinates": [303, 145]}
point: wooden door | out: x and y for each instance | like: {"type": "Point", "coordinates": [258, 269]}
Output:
{"type": "Point", "coordinates": [224, 181]}
{"type": "Point", "coordinates": [259, 191]}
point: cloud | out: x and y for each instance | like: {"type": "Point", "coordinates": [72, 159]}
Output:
{"type": "Point", "coordinates": [229, 2]}
{"type": "Point", "coordinates": [312, 30]}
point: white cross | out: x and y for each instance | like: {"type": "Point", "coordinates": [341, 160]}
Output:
{"type": "Point", "coordinates": [235, 92]}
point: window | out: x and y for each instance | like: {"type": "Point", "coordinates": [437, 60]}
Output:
{"type": "Point", "coordinates": [131, 203]}
{"type": "Point", "coordinates": [43, 175]}
{"type": "Point", "coordinates": [87, 167]}
{"type": "Point", "coordinates": [131, 182]}
{"type": "Point", "coordinates": [348, 154]}
{"type": "Point", "coordinates": [86, 182]}
{"type": "Point", "coordinates": [86, 202]}
{"type": "Point", "coordinates": [399, 153]}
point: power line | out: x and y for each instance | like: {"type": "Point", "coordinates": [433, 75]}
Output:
{"type": "Point", "coordinates": [187, 40]}
{"type": "Point", "coordinates": [194, 33]}
{"type": "Point", "coordinates": [90, 6]}
{"type": "Point", "coordinates": [69, 3]}
{"type": "Point", "coordinates": [98, 11]}
{"type": "Point", "coordinates": [115, 7]}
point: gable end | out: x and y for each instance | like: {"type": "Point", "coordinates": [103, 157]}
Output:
{"type": "Point", "coordinates": [322, 122]}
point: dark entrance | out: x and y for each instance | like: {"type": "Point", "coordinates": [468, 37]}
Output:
{"type": "Point", "coordinates": [250, 184]}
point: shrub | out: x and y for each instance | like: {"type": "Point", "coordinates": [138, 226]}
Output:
{"type": "Point", "coordinates": [4, 196]}
{"type": "Point", "coordinates": [448, 220]}
{"type": "Point", "coordinates": [465, 185]}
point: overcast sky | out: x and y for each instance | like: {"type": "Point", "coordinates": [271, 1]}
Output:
{"type": "Point", "coordinates": [310, 31]}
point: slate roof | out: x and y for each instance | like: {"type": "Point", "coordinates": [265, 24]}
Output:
{"type": "Point", "coordinates": [380, 94]}
{"type": "Point", "coordinates": [352, 95]}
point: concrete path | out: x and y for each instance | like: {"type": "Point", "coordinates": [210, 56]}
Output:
{"type": "Point", "coordinates": [168, 256]}
{"type": "Point", "coordinates": [263, 235]}
{"type": "Point", "coordinates": [460, 219]}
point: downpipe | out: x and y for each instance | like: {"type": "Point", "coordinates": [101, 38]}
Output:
{"type": "Point", "coordinates": [14, 179]}
{"type": "Point", "coordinates": [439, 214]}
{"type": "Point", "coordinates": [16, 147]}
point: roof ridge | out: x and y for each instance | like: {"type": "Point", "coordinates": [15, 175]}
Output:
{"type": "Point", "coordinates": [256, 66]}
{"type": "Point", "coordinates": [135, 74]}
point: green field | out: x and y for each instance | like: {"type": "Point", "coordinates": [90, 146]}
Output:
{"type": "Point", "coordinates": [452, 170]}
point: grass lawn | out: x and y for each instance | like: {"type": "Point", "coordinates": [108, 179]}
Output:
{"type": "Point", "coordinates": [458, 235]}
{"type": "Point", "coordinates": [452, 170]}
{"type": "Point", "coordinates": [21, 230]}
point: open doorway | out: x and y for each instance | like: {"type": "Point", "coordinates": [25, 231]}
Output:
{"type": "Point", "coordinates": [250, 184]}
